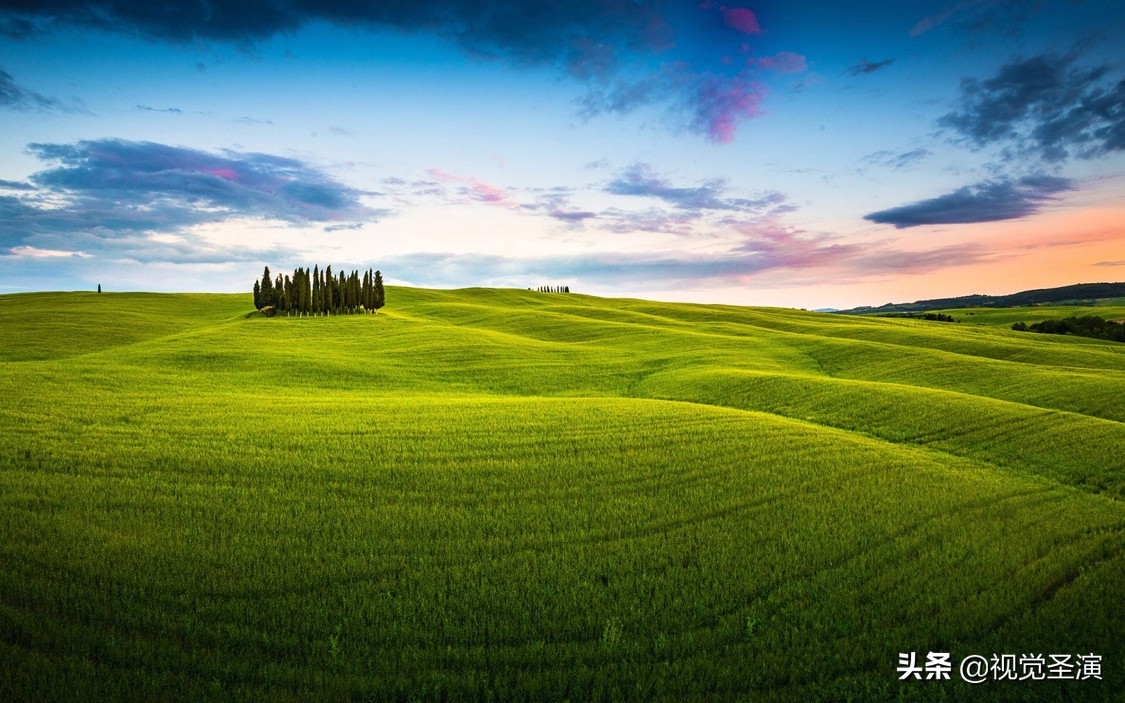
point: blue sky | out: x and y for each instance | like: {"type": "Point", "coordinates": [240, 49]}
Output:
{"type": "Point", "coordinates": [804, 154]}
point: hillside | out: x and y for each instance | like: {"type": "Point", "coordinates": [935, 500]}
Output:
{"type": "Point", "coordinates": [503, 494]}
{"type": "Point", "coordinates": [1078, 294]}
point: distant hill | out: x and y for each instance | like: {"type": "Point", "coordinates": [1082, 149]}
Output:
{"type": "Point", "coordinates": [1078, 294]}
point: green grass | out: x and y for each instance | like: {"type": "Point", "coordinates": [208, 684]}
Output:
{"type": "Point", "coordinates": [508, 495]}
{"type": "Point", "coordinates": [1108, 309]}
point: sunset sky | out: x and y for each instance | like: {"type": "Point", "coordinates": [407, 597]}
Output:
{"type": "Point", "coordinates": [801, 154]}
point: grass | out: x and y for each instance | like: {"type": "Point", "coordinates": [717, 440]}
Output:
{"type": "Point", "coordinates": [487, 494]}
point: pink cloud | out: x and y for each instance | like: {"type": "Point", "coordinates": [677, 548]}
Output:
{"type": "Point", "coordinates": [722, 103]}
{"type": "Point", "coordinates": [477, 190]}
{"type": "Point", "coordinates": [783, 62]}
{"type": "Point", "coordinates": [225, 173]}
{"type": "Point", "coordinates": [741, 19]}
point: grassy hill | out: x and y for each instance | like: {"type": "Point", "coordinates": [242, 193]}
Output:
{"type": "Point", "coordinates": [497, 494]}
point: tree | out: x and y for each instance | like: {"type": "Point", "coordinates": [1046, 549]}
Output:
{"type": "Point", "coordinates": [99, 288]}
{"type": "Point", "coordinates": [378, 290]}
{"type": "Point", "coordinates": [316, 290]}
{"type": "Point", "coordinates": [306, 293]}
{"type": "Point", "coordinates": [257, 295]}
{"type": "Point", "coordinates": [267, 288]}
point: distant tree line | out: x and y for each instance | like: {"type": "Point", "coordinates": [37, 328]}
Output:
{"type": "Point", "coordinates": [1080, 326]}
{"type": "Point", "coordinates": [553, 289]}
{"type": "Point", "coordinates": [938, 317]}
{"type": "Point", "coordinates": [932, 316]}
{"type": "Point", "coordinates": [319, 292]}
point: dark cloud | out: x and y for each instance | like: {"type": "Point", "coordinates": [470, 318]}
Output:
{"type": "Point", "coordinates": [1110, 263]}
{"type": "Point", "coordinates": [218, 186]}
{"type": "Point", "coordinates": [984, 202]}
{"type": "Point", "coordinates": [973, 18]}
{"type": "Point", "coordinates": [640, 180]}
{"type": "Point", "coordinates": [581, 35]}
{"type": "Point", "coordinates": [15, 185]}
{"type": "Point", "coordinates": [864, 66]}
{"type": "Point", "coordinates": [630, 53]}
{"type": "Point", "coordinates": [1044, 105]}
{"type": "Point", "coordinates": [15, 27]}
{"type": "Point", "coordinates": [138, 200]}
{"type": "Point", "coordinates": [15, 97]}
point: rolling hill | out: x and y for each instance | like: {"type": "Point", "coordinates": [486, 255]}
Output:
{"type": "Point", "coordinates": [509, 495]}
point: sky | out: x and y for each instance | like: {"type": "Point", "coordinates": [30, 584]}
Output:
{"type": "Point", "coordinates": [794, 153]}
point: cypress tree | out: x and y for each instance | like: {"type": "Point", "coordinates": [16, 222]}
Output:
{"type": "Point", "coordinates": [329, 280]}
{"type": "Point", "coordinates": [379, 295]}
{"type": "Point", "coordinates": [316, 290]}
{"type": "Point", "coordinates": [306, 290]}
{"type": "Point", "coordinates": [267, 288]}
{"type": "Point", "coordinates": [257, 295]}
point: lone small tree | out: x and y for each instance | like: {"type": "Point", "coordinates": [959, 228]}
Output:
{"type": "Point", "coordinates": [99, 288]}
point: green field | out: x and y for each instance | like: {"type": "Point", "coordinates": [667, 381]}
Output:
{"type": "Point", "coordinates": [1110, 309]}
{"type": "Point", "coordinates": [508, 495]}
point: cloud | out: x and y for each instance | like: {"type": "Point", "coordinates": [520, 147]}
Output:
{"type": "Point", "coordinates": [150, 175]}
{"type": "Point", "coordinates": [474, 189]}
{"type": "Point", "coordinates": [721, 103]}
{"type": "Point", "coordinates": [628, 53]}
{"type": "Point", "coordinates": [572, 216]}
{"type": "Point", "coordinates": [571, 32]}
{"type": "Point", "coordinates": [124, 199]}
{"type": "Point", "coordinates": [931, 21]}
{"type": "Point", "coordinates": [1110, 263]}
{"type": "Point", "coordinates": [15, 185]}
{"type": "Point", "coordinates": [984, 202]}
{"type": "Point", "coordinates": [1004, 17]}
{"type": "Point", "coordinates": [33, 253]}
{"type": "Point", "coordinates": [1045, 106]}
{"type": "Point", "coordinates": [795, 256]}
{"type": "Point", "coordinates": [15, 97]}
{"type": "Point", "coordinates": [173, 110]}
{"type": "Point", "coordinates": [654, 220]}
{"type": "Point", "coordinates": [741, 19]}
{"type": "Point", "coordinates": [864, 66]}
{"type": "Point", "coordinates": [783, 62]}
{"type": "Point", "coordinates": [896, 160]}
{"type": "Point", "coordinates": [641, 180]}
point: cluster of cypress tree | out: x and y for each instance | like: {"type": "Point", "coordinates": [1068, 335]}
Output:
{"type": "Point", "coordinates": [553, 289]}
{"type": "Point", "coordinates": [319, 292]}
